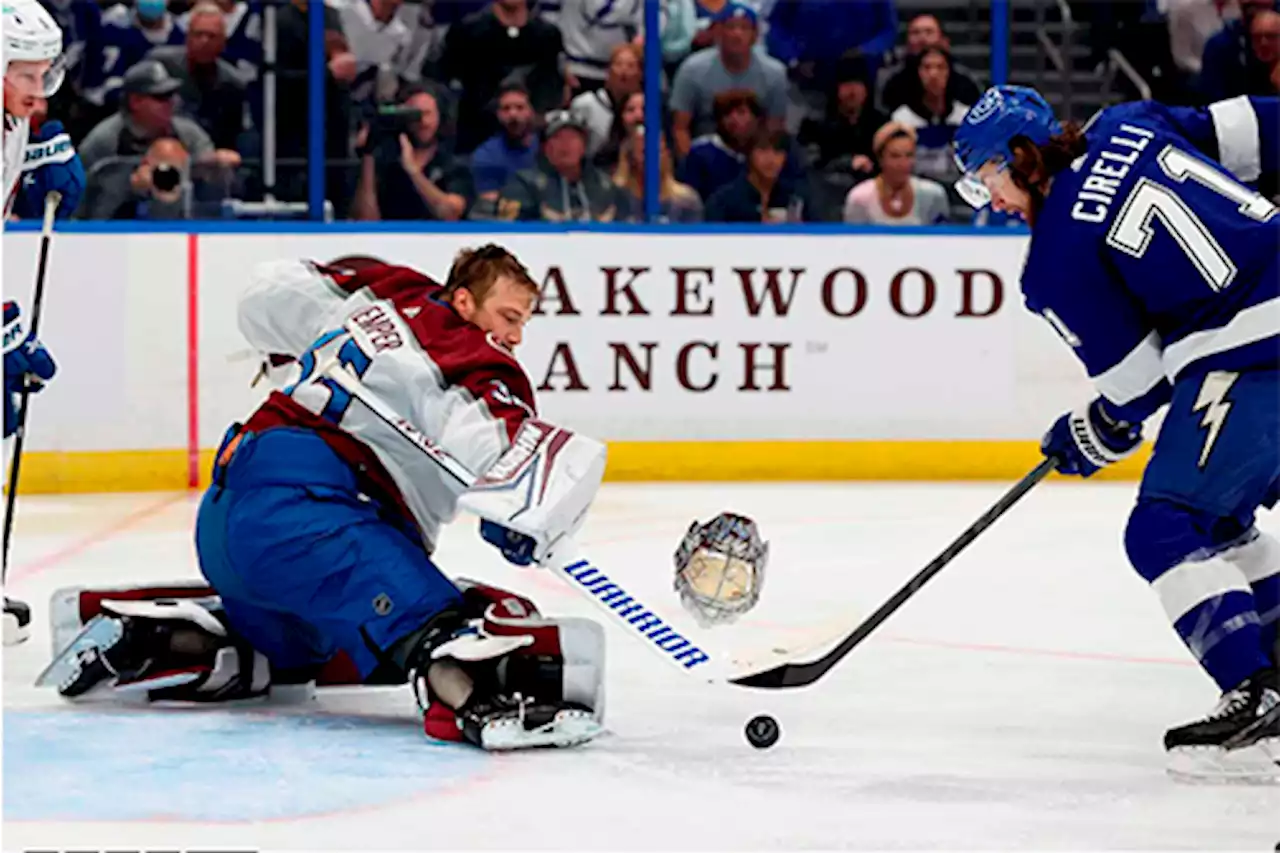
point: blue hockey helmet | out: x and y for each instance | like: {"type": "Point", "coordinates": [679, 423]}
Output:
{"type": "Point", "coordinates": [1002, 113]}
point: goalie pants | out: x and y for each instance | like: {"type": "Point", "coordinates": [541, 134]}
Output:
{"type": "Point", "coordinates": [307, 565]}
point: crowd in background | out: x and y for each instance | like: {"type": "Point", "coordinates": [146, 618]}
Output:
{"type": "Point", "coordinates": [534, 110]}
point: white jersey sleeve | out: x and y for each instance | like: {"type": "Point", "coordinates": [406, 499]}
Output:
{"type": "Point", "coordinates": [284, 308]}
{"type": "Point", "coordinates": [16, 131]}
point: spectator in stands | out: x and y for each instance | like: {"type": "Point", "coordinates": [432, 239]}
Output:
{"type": "Point", "coordinates": [810, 36]}
{"type": "Point", "coordinates": [1264, 45]}
{"type": "Point", "coordinates": [934, 114]}
{"type": "Point", "coordinates": [733, 64]}
{"type": "Point", "coordinates": [146, 114]}
{"type": "Point", "coordinates": [1191, 24]}
{"type": "Point", "coordinates": [159, 188]}
{"type": "Point", "coordinates": [1225, 68]}
{"type": "Point", "coordinates": [564, 186]}
{"type": "Point", "coordinates": [718, 158]}
{"type": "Point", "coordinates": [896, 196]}
{"type": "Point", "coordinates": [212, 92]}
{"type": "Point", "coordinates": [625, 121]}
{"type": "Point", "coordinates": [111, 150]}
{"type": "Point", "coordinates": [511, 149]}
{"type": "Point", "coordinates": [81, 25]}
{"type": "Point", "coordinates": [843, 138]}
{"type": "Point", "coordinates": [706, 12]}
{"type": "Point", "coordinates": [503, 42]}
{"type": "Point", "coordinates": [677, 202]}
{"type": "Point", "coordinates": [128, 35]}
{"type": "Point", "coordinates": [409, 174]}
{"type": "Point", "coordinates": [243, 50]}
{"type": "Point", "coordinates": [591, 30]}
{"type": "Point", "coordinates": [679, 26]}
{"type": "Point", "coordinates": [897, 84]}
{"type": "Point", "coordinates": [379, 40]}
{"type": "Point", "coordinates": [292, 40]}
{"type": "Point", "coordinates": [760, 194]}
{"type": "Point", "coordinates": [598, 106]}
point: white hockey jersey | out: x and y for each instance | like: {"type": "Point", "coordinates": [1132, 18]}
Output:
{"type": "Point", "coordinates": [16, 131]}
{"type": "Point", "coordinates": [446, 377]}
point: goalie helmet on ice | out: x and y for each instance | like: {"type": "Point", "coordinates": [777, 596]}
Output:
{"type": "Point", "coordinates": [720, 568]}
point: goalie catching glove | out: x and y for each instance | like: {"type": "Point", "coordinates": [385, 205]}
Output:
{"type": "Point", "coordinates": [537, 494]}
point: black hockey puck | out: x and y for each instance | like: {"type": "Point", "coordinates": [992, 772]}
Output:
{"type": "Point", "coordinates": [762, 731]}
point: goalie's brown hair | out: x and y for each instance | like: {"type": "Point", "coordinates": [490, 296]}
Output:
{"type": "Point", "coordinates": [1034, 165]}
{"type": "Point", "coordinates": [477, 270]}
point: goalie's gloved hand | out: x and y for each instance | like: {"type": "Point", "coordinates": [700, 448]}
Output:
{"type": "Point", "coordinates": [1088, 439]}
{"type": "Point", "coordinates": [516, 547]}
{"type": "Point", "coordinates": [25, 361]}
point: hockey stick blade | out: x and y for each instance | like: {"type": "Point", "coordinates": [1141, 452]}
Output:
{"type": "Point", "coordinates": [801, 674]}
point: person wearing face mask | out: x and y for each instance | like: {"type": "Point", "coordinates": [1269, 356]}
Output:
{"type": "Point", "coordinates": [128, 35]}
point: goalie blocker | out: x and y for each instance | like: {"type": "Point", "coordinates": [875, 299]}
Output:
{"type": "Point", "coordinates": [493, 673]}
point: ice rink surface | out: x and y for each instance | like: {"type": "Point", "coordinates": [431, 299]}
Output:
{"type": "Point", "coordinates": [1018, 702]}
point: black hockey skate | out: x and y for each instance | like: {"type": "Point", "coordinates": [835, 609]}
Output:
{"type": "Point", "coordinates": [17, 621]}
{"type": "Point", "coordinates": [1239, 740]}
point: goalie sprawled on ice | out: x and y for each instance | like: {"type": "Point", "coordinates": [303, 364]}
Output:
{"type": "Point", "coordinates": [318, 530]}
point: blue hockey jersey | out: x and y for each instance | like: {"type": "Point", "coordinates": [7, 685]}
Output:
{"type": "Point", "coordinates": [123, 44]}
{"type": "Point", "coordinates": [1152, 257]}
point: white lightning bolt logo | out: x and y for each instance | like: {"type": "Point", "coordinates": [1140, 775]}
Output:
{"type": "Point", "coordinates": [1212, 400]}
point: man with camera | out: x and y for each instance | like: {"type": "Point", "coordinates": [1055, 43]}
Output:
{"type": "Point", "coordinates": [405, 173]}
{"type": "Point", "coordinates": [112, 150]}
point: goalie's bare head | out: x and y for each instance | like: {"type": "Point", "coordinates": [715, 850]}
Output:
{"type": "Point", "coordinates": [490, 287]}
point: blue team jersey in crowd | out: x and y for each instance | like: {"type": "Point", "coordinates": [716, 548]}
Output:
{"type": "Point", "coordinates": [1153, 259]}
{"type": "Point", "coordinates": [81, 25]}
{"type": "Point", "coordinates": [123, 45]}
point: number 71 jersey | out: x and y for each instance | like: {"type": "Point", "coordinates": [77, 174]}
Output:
{"type": "Point", "coordinates": [1153, 258]}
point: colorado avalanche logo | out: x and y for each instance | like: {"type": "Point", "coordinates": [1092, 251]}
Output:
{"type": "Point", "coordinates": [987, 106]}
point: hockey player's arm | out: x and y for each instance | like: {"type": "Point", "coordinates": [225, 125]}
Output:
{"type": "Point", "coordinates": [534, 492]}
{"type": "Point", "coordinates": [286, 305]}
{"type": "Point", "coordinates": [1242, 133]}
{"type": "Point", "coordinates": [1108, 333]}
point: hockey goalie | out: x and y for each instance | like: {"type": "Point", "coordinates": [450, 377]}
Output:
{"type": "Point", "coordinates": [320, 525]}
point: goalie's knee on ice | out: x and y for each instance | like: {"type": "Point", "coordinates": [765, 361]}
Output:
{"type": "Point", "coordinates": [1162, 534]}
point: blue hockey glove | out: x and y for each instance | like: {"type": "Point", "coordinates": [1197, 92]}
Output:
{"type": "Point", "coordinates": [51, 164]}
{"type": "Point", "coordinates": [25, 358]}
{"type": "Point", "coordinates": [516, 547]}
{"type": "Point", "coordinates": [1087, 440]}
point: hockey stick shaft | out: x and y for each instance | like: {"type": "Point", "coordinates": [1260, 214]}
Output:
{"type": "Point", "coordinates": [605, 592]}
{"type": "Point", "coordinates": [799, 675]}
{"type": "Point", "coordinates": [51, 202]}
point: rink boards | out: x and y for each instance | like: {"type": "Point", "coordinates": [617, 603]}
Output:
{"type": "Point", "coordinates": [697, 356]}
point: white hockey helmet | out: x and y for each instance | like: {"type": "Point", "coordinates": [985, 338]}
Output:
{"type": "Point", "coordinates": [31, 34]}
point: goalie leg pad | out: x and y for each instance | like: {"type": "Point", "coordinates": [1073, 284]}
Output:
{"type": "Point", "coordinates": [509, 682]}
{"type": "Point", "coordinates": [164, 650]}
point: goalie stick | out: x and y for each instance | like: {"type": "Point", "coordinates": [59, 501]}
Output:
{"type": "Point", "coordinates": [801, 674]}
{"type": "Point", "coordinates": [51, 202]}
{"type": "Point", "coordinates": [606, 593]}
{"type": "Point", "coordinates": [632, 616]}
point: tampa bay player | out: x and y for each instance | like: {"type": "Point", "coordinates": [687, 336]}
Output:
{"type": "Point", "coordinates": [319, 529]}
{"type": "Point", "coordinates": [35, 164]}
{"type": "Point", "coordinates": [1154, 258]}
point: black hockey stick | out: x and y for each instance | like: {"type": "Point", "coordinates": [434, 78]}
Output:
{"type": "Point", "coordinates": [800, 674]}
{"type": "Point", "coordinates": [51, 202]}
